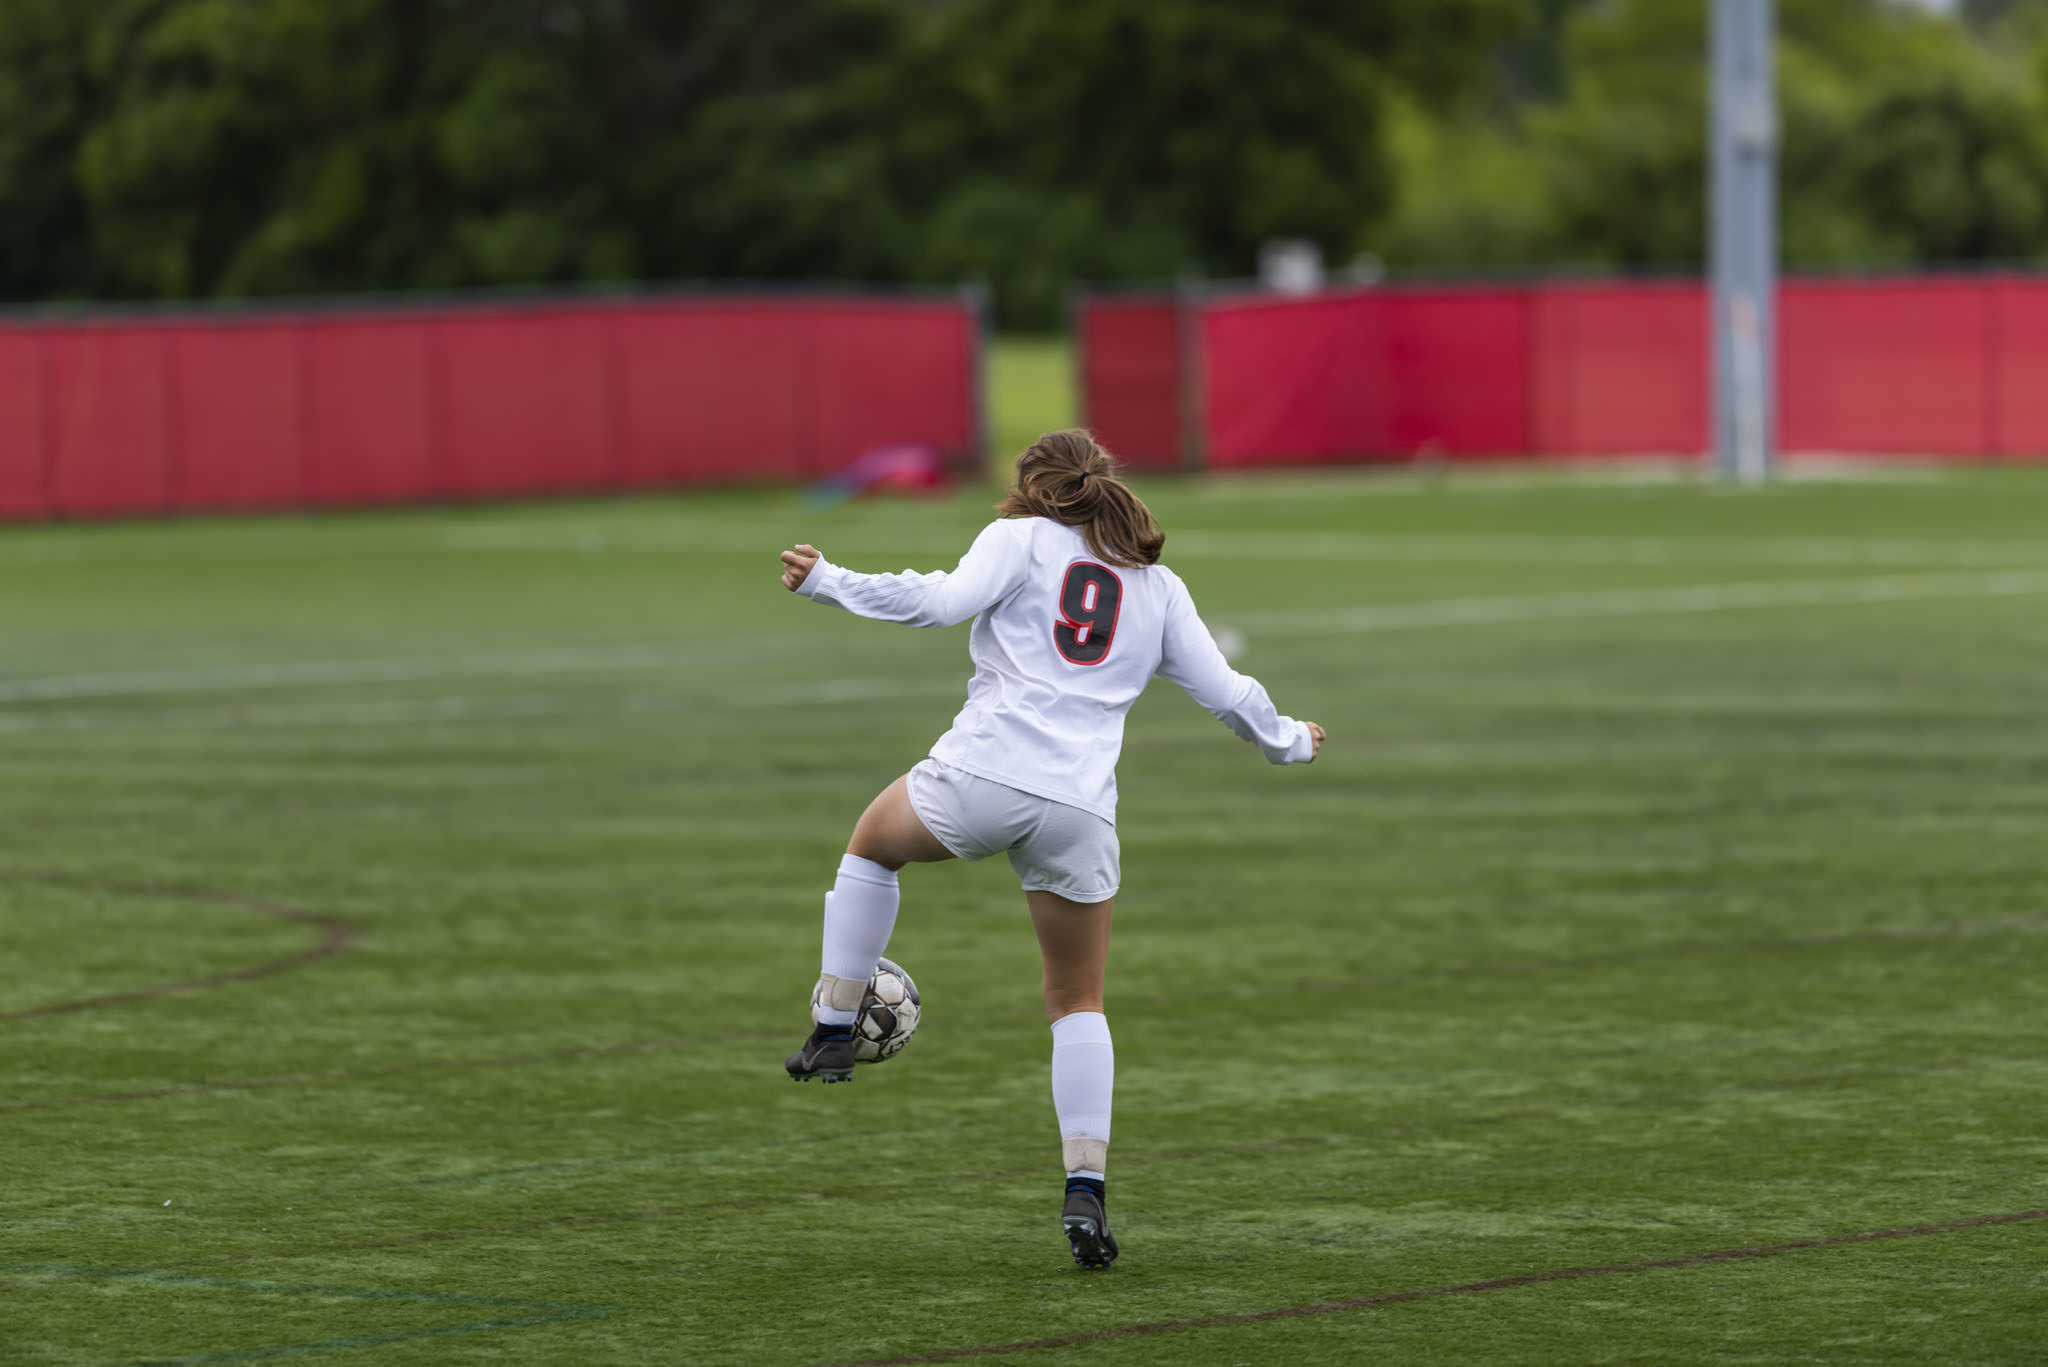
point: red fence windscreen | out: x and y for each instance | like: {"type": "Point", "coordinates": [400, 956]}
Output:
{"type": "Point", "coordinates": [1618, 370]}
{"type": "Point", "coordinates": [2019, 331]}
{"type": "Point", "coordinates": [1923, 366]}
{"type": "Point", "coordinates": [1457, 372]}
{"type": "Point", "coordinates": [1288, 381]}
{"type": "Point", "coordinates": [311, 409]}
{"type": "Point", "coordinates": [1128, 360]}
{"type": "Point", "coordinates": [1886, 366]}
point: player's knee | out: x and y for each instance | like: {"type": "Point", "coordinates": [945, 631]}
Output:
{"type": "Point", "coordinates": [867, 845]}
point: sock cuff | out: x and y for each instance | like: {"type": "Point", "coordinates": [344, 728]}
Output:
{"type": "Point", "coordinates": [866, 871]}
{"type": "Point", "coordinates": [1080, 1027]}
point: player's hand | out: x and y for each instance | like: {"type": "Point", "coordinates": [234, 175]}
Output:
{"type": "Point", "coordinates": [1315, 735]}
{"type": "Point", "coordinates": [796, 566]}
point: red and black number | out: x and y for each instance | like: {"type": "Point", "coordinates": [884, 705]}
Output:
{"type": "Point", "coordinates": [1090, 596]}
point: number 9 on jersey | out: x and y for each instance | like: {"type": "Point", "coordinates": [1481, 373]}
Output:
{"type": "Point", "coordinates": [1089, 598]}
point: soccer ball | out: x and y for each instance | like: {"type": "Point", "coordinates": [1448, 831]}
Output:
{"type": "Point", "coordinates": [888, 1014]}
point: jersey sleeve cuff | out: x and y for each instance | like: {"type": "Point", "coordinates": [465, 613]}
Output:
{"type": "Point", "coordinates": [1304, 748]}
{"type": "Point", "coordinates": [815, 581]}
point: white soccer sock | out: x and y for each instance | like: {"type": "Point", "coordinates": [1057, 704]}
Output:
{"type": "Point", "coordinates": [860, 911]}
{"type": "Point", "coordinates": [1083, 1076]}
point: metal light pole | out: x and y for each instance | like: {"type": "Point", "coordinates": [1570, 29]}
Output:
{"type": "Point", "coordinates": [1743, 252]}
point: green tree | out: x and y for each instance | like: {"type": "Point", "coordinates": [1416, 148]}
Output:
{"type": "Point", "coordinates": [170, 148]}
{"type": "Point", "coordinates": [1956, 170]}
{"type": "Point", "coordinates": [1620, 161]}
{"type": "Point", "coordinates": [48, 93]}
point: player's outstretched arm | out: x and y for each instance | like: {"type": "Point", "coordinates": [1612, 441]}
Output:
{"type": "Point", "coordinates": [992, 568]}
{"type": "Point", "coordinates": [1189, 657]}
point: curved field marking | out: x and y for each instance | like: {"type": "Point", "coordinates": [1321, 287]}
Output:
{"type": "Point", "coordinates": [338, 935]}
{"type": "Point", "coordinates": [1686, 949]}
{"type": "Point", "coordinates": [1556, 1274]}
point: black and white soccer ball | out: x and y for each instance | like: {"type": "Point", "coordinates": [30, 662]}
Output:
{"type": "Point", "coordinates": [888, 1014]}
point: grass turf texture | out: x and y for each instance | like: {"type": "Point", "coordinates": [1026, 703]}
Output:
{"type": "Point", "coordinates": [1030, 391]}
{"type": "Point", "coordinates": [1621, 922]}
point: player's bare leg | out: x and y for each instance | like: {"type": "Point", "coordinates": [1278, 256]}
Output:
{"type": "Point", "coordinates": [891, 834]}
{"type": "Point", "coordinates": [860, 913]}
{"type": "Point", "coordinates": [1073, 941]}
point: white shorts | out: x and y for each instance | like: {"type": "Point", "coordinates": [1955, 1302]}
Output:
{"type": "Point", "coordinates": [1053, 847]}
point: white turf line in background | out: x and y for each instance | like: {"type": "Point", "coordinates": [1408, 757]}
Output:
{"type": "Point", "coordinates": [1511, 548]}
{"type": "Point", "coordinates": [940, 547]}
{"type": "Point", "coordinates": [468, 707]}
{"type": "Point", "coordinates": [491, 664]}
{"type": "Point", "coordinates": [1392, 547]}
{"type": "Point", "coordinates": [1443, 612]}
{"type": "Point", "coordinates": [1652, 602]}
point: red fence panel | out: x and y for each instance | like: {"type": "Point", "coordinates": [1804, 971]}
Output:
{"type": "Point", "coordinates": [369, 411]}
{"type": "Point", "coordinates": [877, 377]}
{"type": "Point", "coordinates": [109, 420]}
{"type": "Point", "coordinates": [1364, 374]}
{"type": "Point", "coordinates": [1457, 372]}
{"type": "Point", "coordinates": [788, 390]}
{"type": "Point", "coordinates": [1129, 367]}
{"type": "Point", "coordinates": [1287, 381]}
{"type": "Point", "coordinates": [320, 409]}
{"type": "Point", "coordinates": [522, 402]}
{"type": "Point", "coordinates": [1891, 366]}
{"type": "Point", "coordinates": [1925, 366]}
{"type": "Point", "coordinates": [237, 424]}
{"type": "Point", "coordinates": [697, 404]}
{"type": "Point", "coordinates": [2020, 382]}
{"type": "Point", "coordinates": [24, 424]}
{"type": "Point", "coordinates": [1619, 369]}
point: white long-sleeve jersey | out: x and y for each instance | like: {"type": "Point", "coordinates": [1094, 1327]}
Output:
{"type": "Point", "coordinates": [1062, 645]}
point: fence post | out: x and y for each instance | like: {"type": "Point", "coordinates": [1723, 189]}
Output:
{"type": "Point", "coordinates": [975, 295]}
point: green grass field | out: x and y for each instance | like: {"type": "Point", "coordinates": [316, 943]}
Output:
{"type": "Point", "coordinates": [407, 914]}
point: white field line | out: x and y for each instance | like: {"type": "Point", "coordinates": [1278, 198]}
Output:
{"type": "Point", "coordinates": [1431, 613]}
{"type": "Point", "coordinates": [938, 546]}
{"type": "Point", "coordinates": [1393, 547]}
{"type": "Point", "coordinates": [494, 664]}
{"type": "Point", "coordinates": [473, 707]}
{"type": "Point", "coordinates": [1509, 548]}
{"type": "Point", "coordinates": [1652, 602]}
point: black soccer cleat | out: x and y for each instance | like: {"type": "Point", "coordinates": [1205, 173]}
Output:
{"type": "Point", "coordinates": [826, 1055]}
{"type": "Point", "coordinates": [1087, 1226]}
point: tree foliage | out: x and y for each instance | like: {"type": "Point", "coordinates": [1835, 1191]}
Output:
{"type": "Point", "coordinates": [1904, 137]}
{"type": "Point", "coordinates": [167, 148]}
{"type": "Point", "coordinates": [191, 148]}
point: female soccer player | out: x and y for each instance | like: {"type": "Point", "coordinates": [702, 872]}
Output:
{"type": "Point", "coordinates": [1074, 614]}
